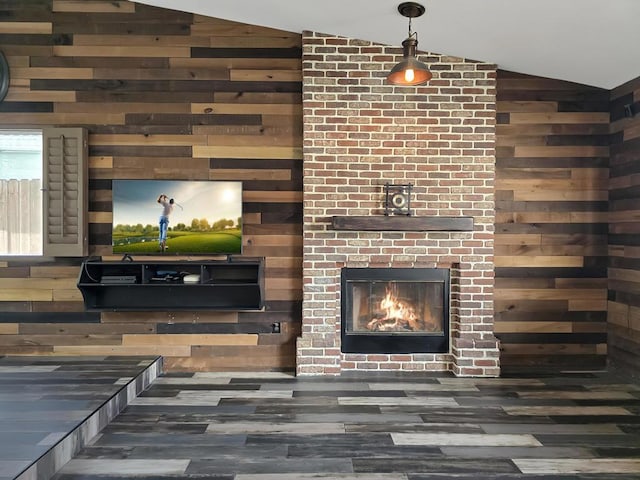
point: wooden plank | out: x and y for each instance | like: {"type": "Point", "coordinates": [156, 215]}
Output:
{"type": "Point", "coordinates": [285, 40]}
{"type": "Point", "coordinates": [217, 63]}
{"type": "Point", "coordinates": [54, 271]}
{"type": "Point", "coordinates": [533, 217]}
{"type": "Point", "coordinates": [142, 40]}
{"type": "Point", "coordinates": [226, 28]}
{"type": "Point", "coordinates": [283, 262]}
{"type": "Point", "coordinates": [161, 73]}
{"type": "Point", "coordinates": [560, 195]}
{"type": "Point", "coordinates": [164, 350]}
{"type": "Point", "coordinates": [549, 349]}
{"type": "Point", "coordinates": [632, 132]}
{"type": "Point", "coordinates": [589, 327]}
{"type": "Point", "coordinates": [25, 294]}
{"type": "Point", "coordinates": [172, 317]}
{"type": "Point", "coordinates": [402, 223]}
{"type": "Point", "coordinates": [268, 75]}
{"type": "Point", "coordinates": [553, 184]}
{"type": "Point", "coordinates": [67, 295]}
{"type": "Point", "coordinates": [242, 174]}
{"type": "Point", "coordinates": [87, 340]}
{"type": "Point", "coordinates": [17, 94]}
{"type": "Point", "coordinates": [100, 217]}
{"type": "Point", "coordinates": [293, 109]}
{"type": "Point", "coordinates": [578, 239]}
{"type": "Point", "coordinates": [21, 61]}
{"type": "Point", "coordinates": [189, 339]}
{"type": "Point", "coordinates": [123, 162]}
{"type": "Point", "coordinates": [8, 328]}
{"type": "Point", "coordinates": [277, 197]}
{"type": "Point", "coordinates": [84, 6]}
{"type": "Point", "coordinates": [560, 151]}
{"type": "Point", "coordinates": [85, 329]}
{"type": "Point", "coordinates": [26, 27]}
{"type": "Point", "coordinates": [518, 239]}
{"type": "Point", "coordinates": [120, 51]}
{"type": "Point", "coordinates": [552, 250]}
{"type": "Point", "coordinates": [158, 140]}
{"type": "Point", "coordinates": [257, 97]}
{"type": "Point", "coordinates": [580, 282]}
{"type": "Point", "coordinates": [589, 217]}
{"type": "Point", "coordinates": [523, 130]}
{"type": "Point", "coordinates": [101, 162]}
{"type": "Point", "coordinates": [247, 152]}
{"type": "Point", "coordinates": [39, 283]}
{"type": "Point", "coordinates": [292, 284]}
{"type": "Point", "coordinates": [526, 106]}
{"type": "Point", "coordinates": [556, 294]}
{"type": "Point", "coordinates": [122, 107]}
{"type": "Point", "coordinates": [626, 275]}
{"type": "Point", "coordinates": [539, 261]}
{"type": "Point", "coordinates": [588, 304]}
{"type": "Point", "coordinates": [634, 318]}
{"type": "Point", "coordinates": [558, 117]}
{"type": "Point", "coordinates": [267, 137]}
{"type": "Point", "coordinates": [532, 327]}
{"type": "Point", "coordinates": [618, 314]}
{"type": "Point", "coordinates": [30, 50]}
{"type": "Point", "coordinates": [36, 119]}
{"type": "Point", "coordinates": [50, 72]}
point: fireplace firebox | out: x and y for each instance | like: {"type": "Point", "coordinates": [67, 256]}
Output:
{"type": "Point", "coordinates": [395, 310]}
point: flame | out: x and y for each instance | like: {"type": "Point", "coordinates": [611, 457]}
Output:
{"type": "Point", "coordinates": [396, 309]}
{"type": "Point", "coordinates": [395, 315]}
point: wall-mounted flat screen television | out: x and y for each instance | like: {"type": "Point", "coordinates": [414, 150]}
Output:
{"type": "Point", "coordinates": [177, 217]}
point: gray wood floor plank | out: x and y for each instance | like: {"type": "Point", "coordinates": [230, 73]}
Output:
{"type": "Point", "coordinates": [249, 426]}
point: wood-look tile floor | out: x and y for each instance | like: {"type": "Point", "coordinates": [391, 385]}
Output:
{"type": "Point", "coordinates": [413, 427]}
{"type": "Point", "coordinates": [42, 399]}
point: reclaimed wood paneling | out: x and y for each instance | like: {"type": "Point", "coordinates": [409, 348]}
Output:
{"type": "Point", "coordinates": [164, 94]}
{"type": "Point", "coordinates": [624, 227]}
{"type": "Point", "coordinates": [551, 223]}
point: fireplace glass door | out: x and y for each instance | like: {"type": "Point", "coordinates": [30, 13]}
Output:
{"type": "Point", "coordinates": [394, 310]}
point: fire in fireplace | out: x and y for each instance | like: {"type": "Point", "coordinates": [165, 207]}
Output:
{"type": "Point", "coordinates": [395, 310]}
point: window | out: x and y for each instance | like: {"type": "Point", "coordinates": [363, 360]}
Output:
{"type": "Point", "coordinates": [20, 192]}
{"type": "Point", "coordinates": [43, 192]}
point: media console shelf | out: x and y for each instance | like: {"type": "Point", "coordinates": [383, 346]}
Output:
{"type": "Point", "coordinates": [235, 284]}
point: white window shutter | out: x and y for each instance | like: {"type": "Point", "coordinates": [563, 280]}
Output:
{"type": "Point", "coordinates": [65, 195]}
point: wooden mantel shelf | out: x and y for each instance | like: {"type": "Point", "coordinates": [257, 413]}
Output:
{"type": "Point", "coordinates": [401, 223]}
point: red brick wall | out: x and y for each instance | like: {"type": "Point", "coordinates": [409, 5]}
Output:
{"type": "Point", "coordinates": [360, 133]}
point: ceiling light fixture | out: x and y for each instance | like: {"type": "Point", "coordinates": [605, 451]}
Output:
{"type": "Point", "coordinates": [410, 71]}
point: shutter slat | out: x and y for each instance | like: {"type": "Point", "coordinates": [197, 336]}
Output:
{"type": "Point", "coordinates": [66, 191]}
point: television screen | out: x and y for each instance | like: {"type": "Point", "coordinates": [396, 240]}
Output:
{"type": "Point", "coordinates": [177, 217]}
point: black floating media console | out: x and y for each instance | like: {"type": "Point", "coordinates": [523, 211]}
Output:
{"type": "Point", "coordinates": [234, 284]}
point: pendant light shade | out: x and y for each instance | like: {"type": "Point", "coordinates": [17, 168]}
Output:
{"type": "Point", "coordinates": [410, 71]}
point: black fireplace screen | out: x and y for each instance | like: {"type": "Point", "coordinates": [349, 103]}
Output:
{"type": "Point", "coordinates": [395, 310]}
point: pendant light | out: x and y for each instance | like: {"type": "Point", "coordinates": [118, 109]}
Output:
{"type": "Point", "coordinates": [410, 71]}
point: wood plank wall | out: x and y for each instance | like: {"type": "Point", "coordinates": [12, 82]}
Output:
{"type": "Point", "coordinates": [624, 227]}
{"type": "Point", "coordinates": [551, 223]}
{"type": "Point", "coordinates": [164, 95]}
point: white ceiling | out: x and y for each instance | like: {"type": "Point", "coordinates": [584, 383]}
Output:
{"type": "Point", "coordinates": [594, 42]}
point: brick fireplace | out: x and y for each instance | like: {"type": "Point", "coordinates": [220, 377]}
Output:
{"type": "Point", "coordinates": [361, 133]}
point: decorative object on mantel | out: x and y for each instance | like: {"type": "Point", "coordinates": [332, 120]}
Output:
{"type": "Point", "coordinates": [410, 71]}
{"type": "Point", "coordinates": [399, 224]}
{"type": "Point", "coordinates": [397, 199]}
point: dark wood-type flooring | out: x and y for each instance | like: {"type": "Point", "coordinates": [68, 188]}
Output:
{"type": "Point", "coordinates": [270, 426]}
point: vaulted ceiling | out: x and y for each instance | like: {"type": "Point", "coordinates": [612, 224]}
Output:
{"type": "Point", "coordinates": [594, 42]}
